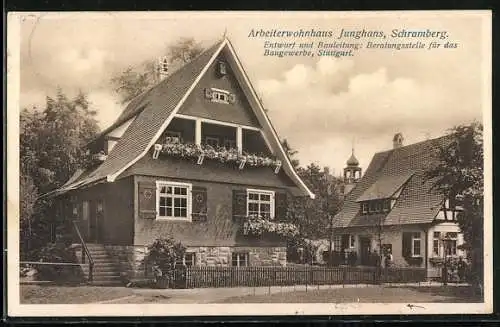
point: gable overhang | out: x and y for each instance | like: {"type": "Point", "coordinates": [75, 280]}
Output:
{"type": "Point", "coordinates": [112, 177]}
{"type": "Point", "coordinates": [265, 122]}
{"type": "Point", "coordinates": [273, 142]}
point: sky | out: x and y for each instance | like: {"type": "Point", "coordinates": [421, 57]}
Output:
{"type": "Point", "coordinates": [324, 106]}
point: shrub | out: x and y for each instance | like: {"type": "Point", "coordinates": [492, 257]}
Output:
{"type": "Point", "coordinates": [58, 253]}
{"type": "Point", "coordinates": [163, 254]}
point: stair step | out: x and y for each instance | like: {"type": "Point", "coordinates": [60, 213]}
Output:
{"type": "Point", "coordinates": [102, 269]}
{"type": "Point", "coordinates": [107, 283]}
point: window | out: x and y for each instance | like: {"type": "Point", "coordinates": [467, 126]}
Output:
{"type": "Point", "coordinates": [351, 241]}
{"type": "Point", "coordinates": [229, 143]}
{"type": "Point", "coordinates": [189, 259]}
{"type": "Point", "coordinates": [435, 244]}
{"type": "Point", "coordinates": [212, 141]}
{"type": "Point", "coordinates": [337, 242]}
{"type": "Point", "coordinates": [172, 137]}
{"type": "Point", "coordinates": [260, 203]}
{"type": "Point", "coordinates": [451, 243]}
{"type": "Point", "coordinates": [221, 96]}
{"type": "Point", "coordinates": [416, 245]}
{"type": "Point", "coordinates": [364, 207]}
{"type": "Point", "coordinates": [240, 259]}
{"type": "Point", "coordinates": [222, 68]}
{"type": "Point", "coordinates": [173, 201]}
{"type": "Point", "coordinates": [373, 207]}
{"type": "Point", "coordinates": [387, 205]}
{"type": "Point", "coordinates": [378, 206]}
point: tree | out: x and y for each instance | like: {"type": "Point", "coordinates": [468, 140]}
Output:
{"type": "Point", "coordinates": [52, 147]}
{"type": "Point", "coordinates": [135, 80]}
{"type": "Point", "coordinates": [458, 175]}
{"type": "Point", "coordinates": [291, 153]}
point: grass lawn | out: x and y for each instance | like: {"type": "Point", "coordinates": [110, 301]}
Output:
{"type": "Point", "coordinates": [383, 294]}
{"type": "Point", "coordinates": [50, 294]}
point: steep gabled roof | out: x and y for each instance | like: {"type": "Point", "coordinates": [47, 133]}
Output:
{"type": "Point", "coordinates": [388, 171]}
{"type": "Point", "coordinates": [155, 108]}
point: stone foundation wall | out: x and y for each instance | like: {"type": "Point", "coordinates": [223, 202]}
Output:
{"type": "Point", "coordinates": [222, 256]}
{"type": "Point", "coordinates": [130, 259]}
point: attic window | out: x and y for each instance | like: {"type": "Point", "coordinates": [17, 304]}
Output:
{"type": "Point", "coordinates": [375, 206]}
{"type": "Point", "coordinates": [220, 96]}
{"type": "Point", "coordinates": [221, 68]}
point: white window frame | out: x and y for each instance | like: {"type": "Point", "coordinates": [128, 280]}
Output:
{"type": "Point", "coordinates": [183, 261]}
{"type": "Point", "coordinates": [266, 192]}
{"type": "Point", "coordinates": [386, 205]}
{"type": "Point", "coordinates": [365, 207]}
{"type": "Point", "coordinates": [414, 240]}
{"type": "Point", "coordinates": [189, 208]}
{"type": "Point", "coordinates": [337, 242]}
{"type": "Point", "coordinates": [352, 241]}
{"type": "Point", "coordinates": [218, 93]}
{"type": "Point", "coordinates": [238, 260]}
{"type": "Point", "coordinates": [436, 240]}
{"type": "Point", "coordinates": [454, 238]}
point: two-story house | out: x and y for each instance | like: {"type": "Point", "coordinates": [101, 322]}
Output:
{"type": "Point", "coordinates": [394, 207]}
{"type": "Point", "coordinates": [190, 158]}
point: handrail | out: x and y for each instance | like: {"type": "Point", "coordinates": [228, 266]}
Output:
{"type": "Point", "coordinates": [85, 251]}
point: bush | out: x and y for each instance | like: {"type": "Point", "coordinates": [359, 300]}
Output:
{"type": "Point", "coordinates": [58, 253]}
{"type": "Point", "coordinates": [163, 254]}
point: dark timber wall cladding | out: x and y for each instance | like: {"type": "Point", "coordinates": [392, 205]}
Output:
{"type": "Point", "coordinates": [198, 105]}
{"type": "Point", "coordinates": [115, 224]}
{"type": "Point", "coordinates": [215, 228]}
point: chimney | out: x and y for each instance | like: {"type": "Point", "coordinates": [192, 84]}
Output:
{"type": "Point", "coordinates": [162, 68]}
{"type": "Point", "coordinates": [397, 141]}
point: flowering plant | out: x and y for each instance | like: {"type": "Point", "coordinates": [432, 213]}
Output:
{"type": "Point", "coordinates": [256, 225]}
{"type": "Point", "coordinates": [222, 154]}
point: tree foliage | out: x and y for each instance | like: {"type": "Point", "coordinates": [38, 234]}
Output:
{"type": "Point", "coordinates": [136, 79]}
{"type": "Point", "coordinates": [52, 147]}
{"type": "Point", "coordinates": [458, 173]}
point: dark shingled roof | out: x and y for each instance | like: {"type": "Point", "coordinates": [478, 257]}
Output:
{"type": "Point", "coordinates": [384, 187]}
{"type": "Point", "coordinates": [388, 171]}
{"type": "Point", "coordinates": [152, 108]}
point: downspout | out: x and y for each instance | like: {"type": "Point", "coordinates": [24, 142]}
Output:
{"type": "Point", "coordinates": [426, 232]}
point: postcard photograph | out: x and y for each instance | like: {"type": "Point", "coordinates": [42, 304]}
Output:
{"type": "Point", "coordinates": [249, 163]}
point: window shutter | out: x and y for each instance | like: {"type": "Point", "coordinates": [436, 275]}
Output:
{"type": "Point", "coordinates": [208, 93]}
{"type": "Point", "coordinates": [239, 204]}
{"type": "Point", "coordinates": [147, 200]}
{"type": "Point", "coordinates": [406, 245]}
{"type": "Point", "coordinates": [280, 206]}
{"type": "Point", "coordinates": [199, 196]}
{"type": "Point", "coordinates": [232, 98]}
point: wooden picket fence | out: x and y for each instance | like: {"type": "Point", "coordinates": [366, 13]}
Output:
{"type": "Point", "coordinates": [200, 277]}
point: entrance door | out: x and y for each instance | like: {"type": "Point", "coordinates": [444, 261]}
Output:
{"type": "Point", "coordinates": [93, 223]}
{"type": "Point", "coordinates": [364, 250]}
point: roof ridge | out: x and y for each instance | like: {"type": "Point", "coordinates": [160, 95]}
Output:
{"type": "Point", "coordinates": [150, 89]}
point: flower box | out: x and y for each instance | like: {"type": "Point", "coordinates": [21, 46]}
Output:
{"type": "Point", "coordinates": [221, 154]}
{"type": "Point", "coordinates": [256, 225]}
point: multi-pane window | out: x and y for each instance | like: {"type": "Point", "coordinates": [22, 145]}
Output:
{"type": "Point", "coordinates": [375, 206]}
{"type": "Point", "coordinates": [172, 137]}
{"type": "Point", "coordinates": [189, 259]}
{"type": "Point", "coordinates": [173, 200]}
{"type": "Point", "coordinates": [220, 96]}
{"type": "Point", "coordinates": [337, 243]}
{"type": "Point", "coordinates": [260, 203]}
{"type": "Point", "coordinates": [416, 248]}
{"type": "Point", "coordinates": [352, 241]}
{"type": "Point", "coordinates": [436, 244]}
{"type": "Point", "coordinates": [451, 243]}
{"type": "Point", "coordinates": [240, 259]}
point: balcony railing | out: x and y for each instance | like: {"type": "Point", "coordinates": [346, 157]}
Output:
{"type": "Point", "coordinates": [201, 152]}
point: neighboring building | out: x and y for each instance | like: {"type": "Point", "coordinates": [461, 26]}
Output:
{"type": "Point", "coordinates": [151, 179]}
{"type": "Point", "coordinates": [393, 207]}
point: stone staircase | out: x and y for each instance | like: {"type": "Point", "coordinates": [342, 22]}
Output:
{"type": "Point", "coordinates": [106, 271]}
